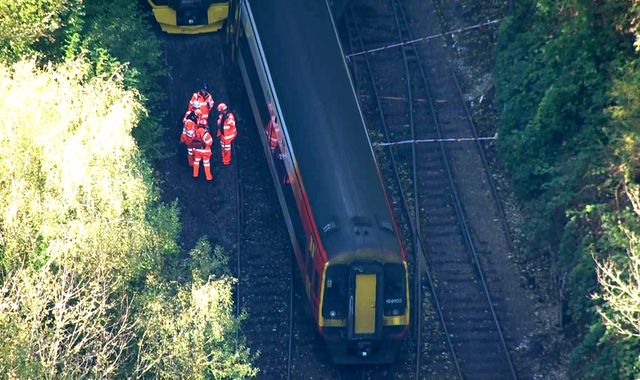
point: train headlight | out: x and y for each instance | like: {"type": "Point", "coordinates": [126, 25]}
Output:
{"type": "Point", "coordinates": [332, 314]}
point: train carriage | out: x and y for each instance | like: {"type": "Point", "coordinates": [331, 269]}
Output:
{"type": "Point", "coordinates": [341, 226]}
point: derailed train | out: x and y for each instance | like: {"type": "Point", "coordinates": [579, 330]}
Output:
{"type": "Point", "coordinates": [337, 213]}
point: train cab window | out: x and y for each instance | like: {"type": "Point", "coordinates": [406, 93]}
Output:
{"type": "Point", "coordinates": [395, 292]}
{"type": "Point", "coordinates": [335, 292]}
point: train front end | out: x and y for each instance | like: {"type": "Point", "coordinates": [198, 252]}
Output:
{"type": "Point", "coordinates": [364, 309]}
{"type": "Point", "coordinates": [190, 16]}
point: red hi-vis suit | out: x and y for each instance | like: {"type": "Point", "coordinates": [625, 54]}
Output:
{"type": "Point", "coordinates": [202, 103]}
{"type": "Point", "coordinates": [201, 142]}
{"type": "Point", "coordinates": [273, 133]}
{"type": "Point", "coordinates": [227, 133]}
{"type": "Point", "coordinates": [198, 115]}
{"type": "Point", "coordinates": [188, 132]}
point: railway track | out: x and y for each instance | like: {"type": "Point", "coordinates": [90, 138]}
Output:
{"type": "Point", "coordinates": [473, 339]}
{"type": "Point", "coordinates": [430, 333]}
{"type": "Point", "coordinates": [264, 266]}
{"type": "Point", "coordinates": [278, 325]}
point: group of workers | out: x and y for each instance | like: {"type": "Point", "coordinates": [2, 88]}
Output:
{"type": "Point", "coordinates": [196, 134]}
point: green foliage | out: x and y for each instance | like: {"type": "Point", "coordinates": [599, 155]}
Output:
{"type": "Point", "coordinates": [625, 112]}
{"type": "Point", "coordinates": [117, 32]}
{"type": "Point", "coordinates": [567, 80]}
{"type": "Point", "coordinates": [24, 23]}
{"type": "Point", "coordinates": [206, 264]}
{"type": "Point", "coordinates": [601, 355]}
{"type": "Point", "coordinates": [114, 37]}
{"type": "Point", "coordinates": [83, 240]}
{"type": "Point", "coordinates": [74, 229]}
{"type": "Point", "coordinates": [190, 332]}
{"type": "Point", "coordinates": [552, 83]}
{"type": "Point", "coordinates": [86, 289]}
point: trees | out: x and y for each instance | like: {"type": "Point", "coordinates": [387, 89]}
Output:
{"type": "Point", "coordinates": [190, 332]}
{"type": "Point", "coordinates": [567, 78]}
{"type": "Point", "coordinates": [83, 240]}
{"type": "Point", "coordinates": [91, 284]}
{"type": "Point", "coordinates": [75, 228]}
{"type": "Point", "coordinates": [620, 289]}
{"type": "Point", "coordinates": [42, 18]}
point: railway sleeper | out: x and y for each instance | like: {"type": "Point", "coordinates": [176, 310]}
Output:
{"type": "Point", "coordinates": [452, 292]}
{"type": "Point", "coordinates": [459, 271]}
{"type": "Point", "coordinates": [486, 355]}
{"type": "Point", "coordinates": [434, 182]}
{"type": "Point", "coordinates": [486, 336]}
{"type": "Point", "coordinates": [442, 231]}
{"type": "Point", "coordinates": [492, 368]}
{"type": "Point", "coordinates": [436, 191]}
{"type": "Point", "coordinates": [438, 209]}
{"type": "Point", "coordinates": [436, 199]}
{"type": "Point", "coordinates": [473, 327]}
{"type": "Point", "coordinates": [460, 310]}
{"type": "Point", "coordinates": [434, 175]}
{"type": "Point", "coordinates": [466, 280]}
{"type": "Point", "coordinates": [454, 272]}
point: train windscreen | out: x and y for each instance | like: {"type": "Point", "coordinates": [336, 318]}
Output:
{"type": "Point", "coordinates": [395, 293]}
{"type": "Point", "coordinates": [335, 292]}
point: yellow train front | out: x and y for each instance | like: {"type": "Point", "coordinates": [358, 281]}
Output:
{"type": "Point", "coordinates": [190, 16]}
{"type": "Point", "coordinates": [340, 223]}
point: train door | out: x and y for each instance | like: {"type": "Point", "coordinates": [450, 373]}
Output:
{"type": "Point", "coordinates": [365, 307]}
{"type": "Point", "coordinates": [365, 304]}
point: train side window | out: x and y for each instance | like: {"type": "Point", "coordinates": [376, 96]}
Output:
{"type": "Point", "coordinates": [312, 247]}
{"type": "Point", "coordinates": [309, 257]}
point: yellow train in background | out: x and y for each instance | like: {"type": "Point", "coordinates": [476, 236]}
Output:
{"type": "Point", "coordinates": [190, 16]}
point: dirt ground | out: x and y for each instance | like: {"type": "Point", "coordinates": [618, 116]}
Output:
{"type": "Point", "coordinates": [207, 208]}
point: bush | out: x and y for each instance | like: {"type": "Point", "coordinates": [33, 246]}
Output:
{"type": "Point", "coordinates": [191, 333]}
{"type": "Point", "coordinates": [567, 78]}
{"type": "Point", "coordinates": [83, 239]}
{"type": "Point", "coordinates": [24, 23]}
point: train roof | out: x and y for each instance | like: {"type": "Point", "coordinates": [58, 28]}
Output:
{"type": "Point", "coordinates": [324, 125]}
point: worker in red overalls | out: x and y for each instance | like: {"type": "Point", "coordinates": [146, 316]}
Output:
{"type": "Point", "coordinates": [203, 101]}
{"type": "Point", "coordinates": [273, 133]}
{"type": "Point", "coordinates": [196, 112]}
{"type": "Point", "coordinates": [201, 143]}
{"type": "Point", "coordinates": [189, 124]}
{"type": "Point", "coordinates": [226, 131]}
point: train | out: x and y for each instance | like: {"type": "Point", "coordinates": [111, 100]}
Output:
{"type": "Point", "coordinates": [190, 16]}
{"type": "Point", "coordinates": [339, 218]}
